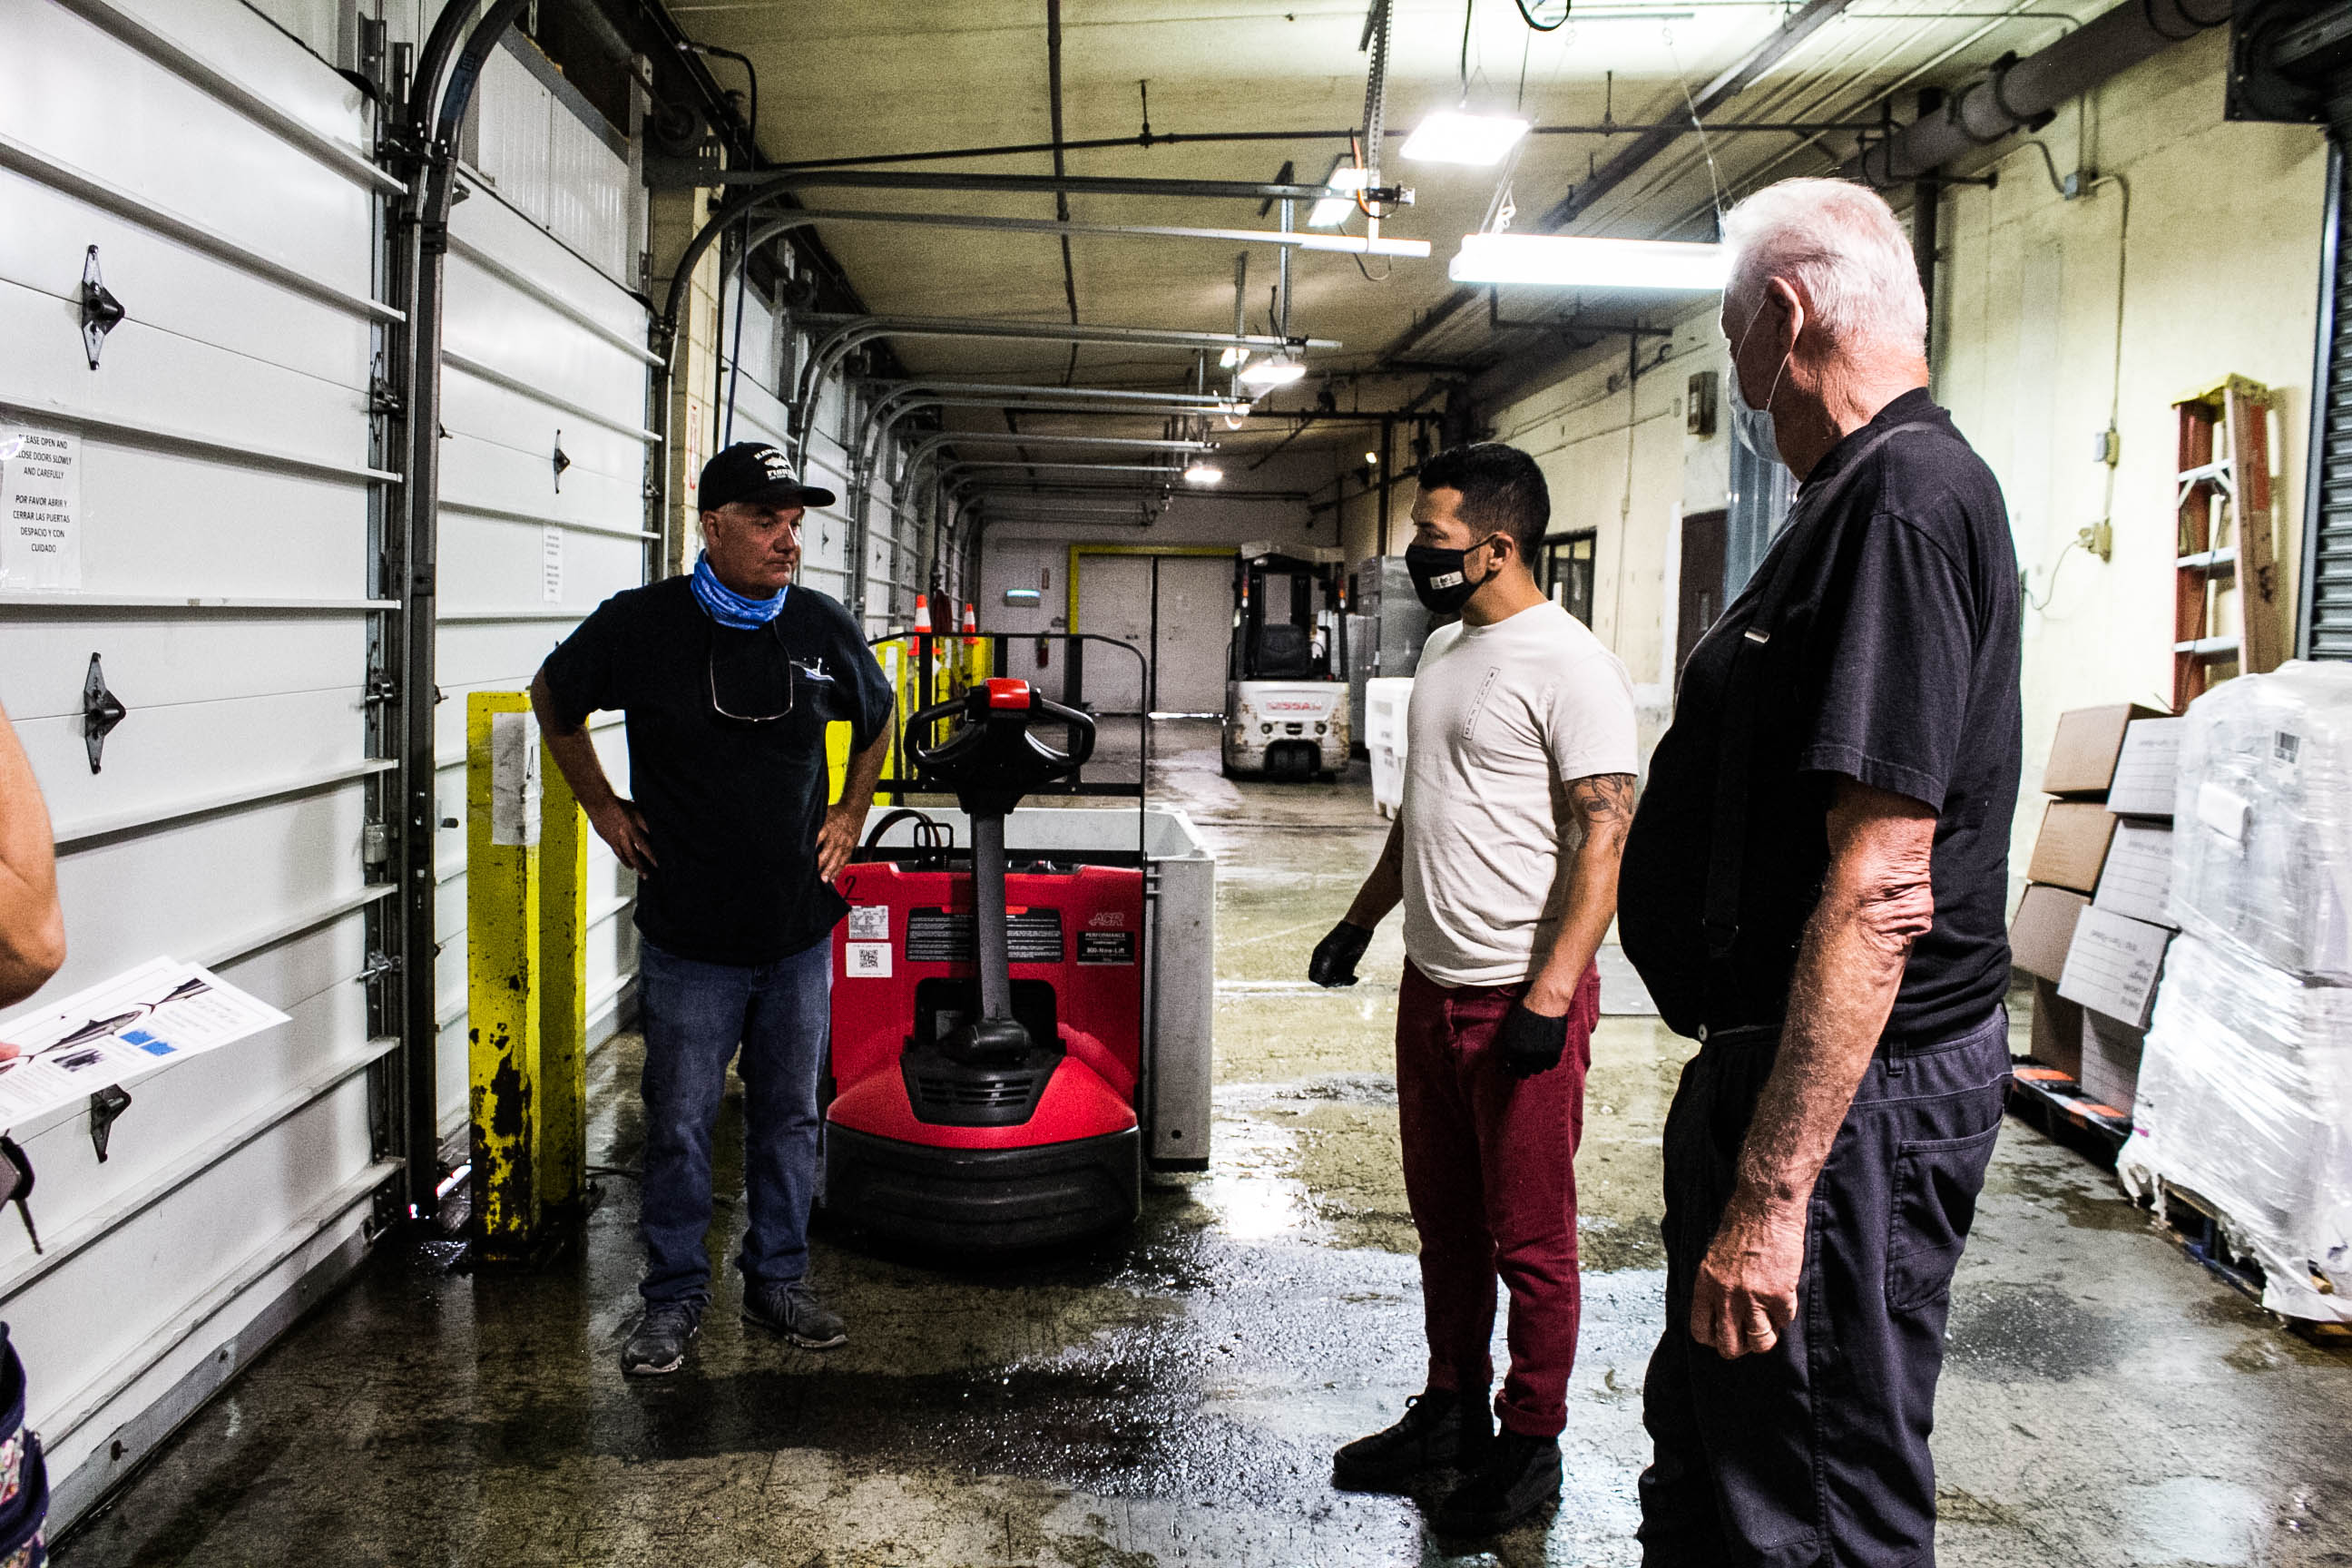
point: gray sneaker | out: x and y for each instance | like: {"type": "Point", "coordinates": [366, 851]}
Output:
{"type": "Point", "coordinates": [790, 1310]}
{"type": "Point", "coordinates": [656, 1347]}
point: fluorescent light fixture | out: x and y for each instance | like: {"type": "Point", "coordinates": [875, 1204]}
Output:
{"type": "Point", "coordinates": [1232, 357]}
{"type": "Point", "coordinates": [1332, 211]}
{"type": "Point", "coordinates": [1267, 374]}
{"type": "Point", "coordinates": [1202, 473]}
{"type": "Point", "coordinates": [1458, 136]}
{"type": "Point", "coordinates": [1562, 260]}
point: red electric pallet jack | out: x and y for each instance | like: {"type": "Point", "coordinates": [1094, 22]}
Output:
{"type": "Point", "coordinates": [987, 1060]}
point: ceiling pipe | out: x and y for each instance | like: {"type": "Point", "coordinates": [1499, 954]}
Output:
{"type": "Point", "coordinates": [878, 421]}
{"type": "Point", "coordinates": [850, 333]}
{"type": "Point", "coordinates": [1345, 244]}
{"type": "Point", "coordinates": [765, 185]}
{"type": "Point", "coordinates": [2020, 93]}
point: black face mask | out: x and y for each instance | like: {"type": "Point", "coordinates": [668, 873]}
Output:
{"type": "Point", "coordinates": [1438, 580]}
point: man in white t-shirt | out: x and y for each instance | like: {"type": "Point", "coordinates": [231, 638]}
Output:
{"type": "Point", "coordinates": [1518, 789]}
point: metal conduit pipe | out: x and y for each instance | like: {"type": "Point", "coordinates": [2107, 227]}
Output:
{"type": "Point", "coordinates": [2020, 93]}
{"type": "Point", "coordinates": [436, 114]}
{"type": "Point", "coordinates": [881, 420]}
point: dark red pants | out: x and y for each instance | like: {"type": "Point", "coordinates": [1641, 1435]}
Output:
{"type": "Point", "coordinates": [1490, 1172]}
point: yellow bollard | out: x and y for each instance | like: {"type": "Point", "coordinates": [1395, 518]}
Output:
{"type": "Point", "coordinates": [563, 992]}
{"type": "Point", "coordinates": [502, 871]}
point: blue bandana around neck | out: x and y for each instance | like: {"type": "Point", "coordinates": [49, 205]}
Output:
{"type": "Point", "coordinates": [728, 607]}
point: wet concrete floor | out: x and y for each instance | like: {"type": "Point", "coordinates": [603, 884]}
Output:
{"type": "Point", "coordinates": [1174, 1398]}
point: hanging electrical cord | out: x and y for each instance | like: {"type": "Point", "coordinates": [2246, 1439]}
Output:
{"type": "Point", "coordinates": [1527, 15]}
{"type": "Point", "coordinates": [735, 356]}
{"type": "Point", "coordinates": [1706, 145]}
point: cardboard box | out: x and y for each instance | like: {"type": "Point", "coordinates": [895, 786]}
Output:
{"type": "Point", "coordinates": [2111, 1049]}
{"type": "Point", "coordinates": [2147, 768]}
{"type": "Point", "coordinates": [2136, 880]}
{"type": "Point", "coordinates": [2057, 1039]}
{"type": "Point", "coordinates": [2044, 930]}
{"type": "Point", "coordinates": [2082, 752]}
{"type": "Point", "coordinates": [2113, 965]}
{"type": "Point", "coordinates": [2072, 848]}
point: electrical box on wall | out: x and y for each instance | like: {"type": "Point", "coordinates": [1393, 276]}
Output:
{"type": "Point", "coordinates": [1700, 403]}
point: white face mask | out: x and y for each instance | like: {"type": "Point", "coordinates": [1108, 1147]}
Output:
{"type": "Point", "coordinates": [1754, 425]}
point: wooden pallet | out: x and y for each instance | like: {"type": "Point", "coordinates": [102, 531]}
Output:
{"type": "Point", "coordinates": [2045, 1097]}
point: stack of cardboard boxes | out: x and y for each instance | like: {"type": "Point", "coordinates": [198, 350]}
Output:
{"type": "Point", "coordinates": [2093, 927]}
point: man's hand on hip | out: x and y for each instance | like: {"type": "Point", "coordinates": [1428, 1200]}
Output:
{"type": "Point", "coordinates": [1746, 1292]}
{"type": "Point", "coordinates": [837, 838]}
{"type": "Point", "coordinates": [620, 824]}
{"type": "Point", "coordinates": [1334, 963]}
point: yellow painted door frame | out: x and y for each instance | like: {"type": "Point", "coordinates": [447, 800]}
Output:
{"type": "Point", "coordinates": [1078, 551]}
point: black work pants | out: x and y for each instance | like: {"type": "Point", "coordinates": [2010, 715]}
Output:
{"type": "Point", "coordinates": [1816, 1451]}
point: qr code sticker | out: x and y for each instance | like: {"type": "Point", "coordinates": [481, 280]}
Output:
{"type": "Point", "coordinates": [869, 960]}
{"type": "Point", "coordinates": [869, 922]}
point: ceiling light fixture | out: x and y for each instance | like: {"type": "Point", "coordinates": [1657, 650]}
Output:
{"type": "Point", "coordinates": [1561, 260]}
{"type": "Point", "coordinates": [1332, 211]}
{"type": "Point", "coordinates": [1203, 474]}
{"type": "Point", "coordinates": [1232, 357]}
{"type": "Point", "coordinates": [1458, 136]}
{"type": "Point", "coordinates": [1268, 374]}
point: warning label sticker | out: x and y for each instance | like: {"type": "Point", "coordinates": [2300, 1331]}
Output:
{"type": "Point", "coordinates": [869, 922]}
{"type": "Point", "coordinates": [1106, 947]}
{"type": "Point", "coordinates": [945, 936]}
{"type": "Point", "coordinates": [867, 960]}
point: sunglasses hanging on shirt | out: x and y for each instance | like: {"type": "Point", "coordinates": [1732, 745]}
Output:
{"type": "Point", "coordinates": [751, 677]}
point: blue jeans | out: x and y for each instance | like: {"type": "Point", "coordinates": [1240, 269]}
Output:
{"type": "Point", "coordinates": [695, 1015]}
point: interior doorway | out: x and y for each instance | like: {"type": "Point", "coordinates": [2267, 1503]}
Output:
{"type": "Point", "coordinates": [1175, 607]}
{"type": "Point", "coordinates": [1705, 538]}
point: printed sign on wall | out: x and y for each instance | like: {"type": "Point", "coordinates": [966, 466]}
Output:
{"type": "Point", "coordinates": [40, 509]}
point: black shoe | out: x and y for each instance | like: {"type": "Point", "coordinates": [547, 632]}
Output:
{"type": "Point", "coordinates": [1440, 1428]}
{"type": "Point", "coordinates": [1520, 1476]}
{"type": "Point", "coordinates": [792, 1311]}
{"type": "Point", "coordinates": [656, 1346]}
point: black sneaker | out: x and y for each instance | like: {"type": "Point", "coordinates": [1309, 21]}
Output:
{"type": "Point", "coordinates": [656, 1346]}
{"type": "Point", "coordinates": [1440, 1428]}
{"type": "Point", "coordinates": [1520, 1475]}
{"type": "Point", "coordinates": [792, 1311]}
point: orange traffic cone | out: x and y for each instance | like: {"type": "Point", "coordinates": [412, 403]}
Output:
{"type": "Point", "coordinates": [922, 612]}
{"type": "Point", "coordinates": [970, 623]}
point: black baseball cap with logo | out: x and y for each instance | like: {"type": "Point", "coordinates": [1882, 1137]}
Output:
{"type": "Point", "coordinates": [756, 472]}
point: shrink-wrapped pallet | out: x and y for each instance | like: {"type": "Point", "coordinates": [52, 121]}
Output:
{"type": "Point", "coordinates": [2246, 1101]}
{"type": "Point", "coordinates": [2262, 818]}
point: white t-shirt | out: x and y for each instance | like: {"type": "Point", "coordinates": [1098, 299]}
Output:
{"type": "Point", "coordinates": [1503, 717]}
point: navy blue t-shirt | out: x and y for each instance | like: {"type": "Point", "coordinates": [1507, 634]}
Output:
{"type": "Point", "coordinates": [732, 805]}
{"type": "Point", "coordinates": [1894, 662]}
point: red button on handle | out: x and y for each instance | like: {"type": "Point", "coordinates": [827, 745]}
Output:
{"type": "Point", "coordinates": [1003, 691]}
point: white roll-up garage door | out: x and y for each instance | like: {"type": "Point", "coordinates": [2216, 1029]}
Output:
{"type": "Point", "coordinates": [544, 472]}
{"type": "Point", "coordinates": [226, 544]}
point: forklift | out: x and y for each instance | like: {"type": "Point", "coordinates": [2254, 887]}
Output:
{"type": "Point", "coordinates": [1286, 676]}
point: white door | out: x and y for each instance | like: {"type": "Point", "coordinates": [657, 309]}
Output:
{"type": "Point", "coordinates": [543, 353]}
{"type": "Point", "coordinates": [230, 499]}
{"type": "Point", "coordinates": [1195, 627]}
{"type": "Point", "coordinates": [1115, 601]}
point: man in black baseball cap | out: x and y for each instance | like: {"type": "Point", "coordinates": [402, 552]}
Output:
{"type": "Point", "coordinates": [756, 474]}
{"type": "Point", "coordinates": [729, 677]}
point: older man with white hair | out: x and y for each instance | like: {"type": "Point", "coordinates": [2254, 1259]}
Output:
{"type": "Point", "coordinates": [1813, 886]}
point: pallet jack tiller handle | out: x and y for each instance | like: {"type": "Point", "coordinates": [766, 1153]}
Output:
{"type": "Point", "coordinates": [991, 761]}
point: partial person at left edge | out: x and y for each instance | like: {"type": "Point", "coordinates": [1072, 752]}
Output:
{"type": "Point", "coordinates": [32, 925]}
{"type": "Point", "coordinates": [729, 678]}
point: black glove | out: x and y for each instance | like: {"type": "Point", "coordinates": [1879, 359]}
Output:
{"type": "Point", "coordinates": [1334, 963]}
{"type": "Point", "coordinates": [1528, 1042]}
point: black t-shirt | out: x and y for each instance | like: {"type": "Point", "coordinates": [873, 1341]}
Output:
{"type": "Point", "coordinates": [1893, 662]}
{"type": "Point", "coordinates": [732, 807]}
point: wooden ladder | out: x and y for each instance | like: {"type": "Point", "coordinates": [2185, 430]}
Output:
{"type": "Point", "coordinates": [2224, 543]}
